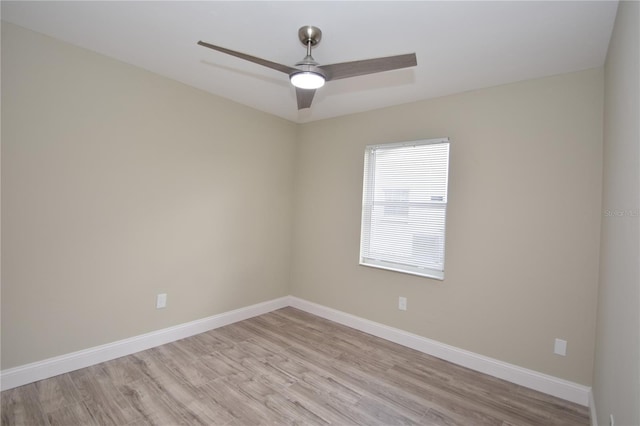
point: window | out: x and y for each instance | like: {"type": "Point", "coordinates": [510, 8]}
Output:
{"type": "Point", "coordinates": [404, 206]}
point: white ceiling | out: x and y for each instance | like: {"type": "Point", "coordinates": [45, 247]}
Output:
{"type": "Point", "coordinates": [460, 46]}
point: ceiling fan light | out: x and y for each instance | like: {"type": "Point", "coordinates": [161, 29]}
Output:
{"type": "Point", "coordinates": [307, 80]}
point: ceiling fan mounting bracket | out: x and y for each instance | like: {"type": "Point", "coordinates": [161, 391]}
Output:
{"type": "Point", "coordinates": [309, 35]}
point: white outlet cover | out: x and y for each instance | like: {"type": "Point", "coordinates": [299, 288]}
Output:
{"type": "Point", "coordinates": [560, 347]}
{"type": "Point", "coordinates": [161, 301]}
{"type": "Point", "coordinates": [402, 303]}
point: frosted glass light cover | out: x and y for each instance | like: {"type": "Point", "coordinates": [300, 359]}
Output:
{"type": "Point", "coordinates": [307, 80]}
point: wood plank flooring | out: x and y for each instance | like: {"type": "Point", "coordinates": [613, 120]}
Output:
{"type": "Point", "coordinates": [285, 367]}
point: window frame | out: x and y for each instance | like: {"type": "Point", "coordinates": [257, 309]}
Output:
{"type": "Point", "coordinates": [368, 190]}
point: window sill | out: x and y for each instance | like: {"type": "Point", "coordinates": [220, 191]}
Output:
{"type": "Point", "coordinates": [436, 275]}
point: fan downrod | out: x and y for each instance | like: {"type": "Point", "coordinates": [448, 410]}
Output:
{"type": "Point", "coordinates": [309, 35]}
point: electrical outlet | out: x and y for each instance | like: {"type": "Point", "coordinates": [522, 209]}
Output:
{"type": "Point", "coordinates": [560, 347]}
{"type": "Point", "coordinates": [402, 303]}
{"type": "Point", "coordinates": [161, 301]}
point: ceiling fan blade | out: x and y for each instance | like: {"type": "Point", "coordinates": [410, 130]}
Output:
{"type": "Point", "coordinates": [304, 97]}
{"type": "Point", "coordinates": [273, 65]}
{"type": "Point", "coordinates": [369, 66]}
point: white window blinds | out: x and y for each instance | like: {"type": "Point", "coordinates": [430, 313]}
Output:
{"type": "Point", "coordinates": [404, 207]}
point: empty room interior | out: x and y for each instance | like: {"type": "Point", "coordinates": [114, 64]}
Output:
{"type": "Point", "coordinates": [192, 234]}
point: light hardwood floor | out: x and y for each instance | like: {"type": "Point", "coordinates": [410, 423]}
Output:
{"type": "Point", "coordinates": [285, 367]}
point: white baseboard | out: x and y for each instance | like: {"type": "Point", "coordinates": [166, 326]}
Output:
{"type": "Point", "coordinates": [40, 370]}
{"type": "Point", "coordinates": [28, 373]}
{"type": "Point", "coordinates": [528, 378]}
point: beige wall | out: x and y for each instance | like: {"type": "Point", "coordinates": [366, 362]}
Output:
{"type": "Point", "coordinates": [118, 184]}
{"type": "Point", "coordinates": [522, 224]}
{"type": "Point", "coordinates": [617, 361]}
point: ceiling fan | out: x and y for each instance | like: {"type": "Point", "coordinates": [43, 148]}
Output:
{"type": "Point", "coordinates": [307, 75]}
